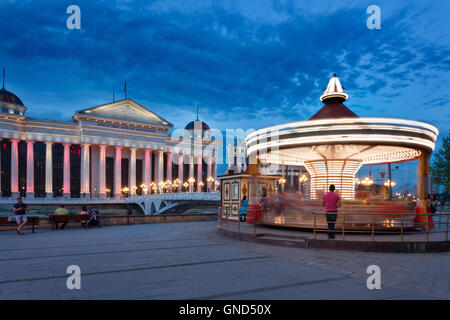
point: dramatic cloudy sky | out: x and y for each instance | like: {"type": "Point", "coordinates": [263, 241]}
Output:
{"type": "Point", "coordinates": [248, 64]}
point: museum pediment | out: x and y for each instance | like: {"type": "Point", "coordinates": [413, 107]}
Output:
{"type": "Point", "coordinates": [124, 110]}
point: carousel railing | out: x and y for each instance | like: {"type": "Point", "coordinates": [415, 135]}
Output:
{"type": "Point", "coordinates": [403, 224]}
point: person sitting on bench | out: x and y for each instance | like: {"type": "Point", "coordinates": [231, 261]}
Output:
{"type": "Point", "coordinates": [94, 219]}
{"type": "Point", "coordinates": [20, 210]}
{"type": "Point", "coordinates": [61, 211]}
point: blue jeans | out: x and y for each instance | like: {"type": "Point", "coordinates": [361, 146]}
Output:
{"type": "Point", "coordinates": [331, 219]}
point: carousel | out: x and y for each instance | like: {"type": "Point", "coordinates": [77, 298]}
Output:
{"type": "Point", "coordinates": [332, 146]}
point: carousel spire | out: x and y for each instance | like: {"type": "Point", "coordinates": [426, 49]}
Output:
{"type": "Point", "coordinates": [334, 90]}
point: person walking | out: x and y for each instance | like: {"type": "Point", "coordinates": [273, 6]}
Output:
{"type": "Point", "coordinates": [331, 201]}
{"type": "Point", "coordinates": [20, 210]}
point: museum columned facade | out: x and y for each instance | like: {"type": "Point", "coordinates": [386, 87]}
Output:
{"type": "Point", "coordinates": [113, 150]}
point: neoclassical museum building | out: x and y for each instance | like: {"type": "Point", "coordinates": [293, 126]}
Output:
{"type": "Point", "coordinates": [112, 150]}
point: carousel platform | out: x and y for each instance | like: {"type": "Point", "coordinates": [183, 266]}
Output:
{"type": "Point", "coordinates": [412, 240]}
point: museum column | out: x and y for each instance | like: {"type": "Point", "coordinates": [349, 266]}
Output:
{"type": "Point", "coordinates": [132, 172]}
{"type": "Point", "coordinates": [199, 173]}
{"type": "Point", "coordinates": [159, 163]}
{"type": "Point", "coordinates": [66, 170]}
{"type": "Point", "coordinates": [148, 169]}
{"type": "Point", "coordinates": [14, 168]}
{"type": "Point", "coordinates": [85, 170]}
{"type": "Point", "coordinates": [180, 171]}
{"type": "Point", "coordinates": [191, 172]}
{"type": "Point", "coordinates": [30, 169]}
{"type": "Point", "coordinates": [102, 172]}
{"type": "Point", "coordinates": [118, 172]}
{"type": "Point", "coordinates": [209, 174]}
{"type": "Point", "coordinates": [48, 170]}
{"type": "Point", "coordinates": [169, 170]}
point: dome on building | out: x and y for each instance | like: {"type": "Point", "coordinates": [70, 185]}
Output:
{"type": "Point", "coordinates": [196, 125]}
{"type": "Point", "coordinates": [9, 97]}
{"type": "Point", "coordinates": [191, 125]}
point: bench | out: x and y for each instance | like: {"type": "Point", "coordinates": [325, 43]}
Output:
{"type": "Point", "coordinates": [66, 218]}
{"type": "Point", "coordinates": [30, 221]}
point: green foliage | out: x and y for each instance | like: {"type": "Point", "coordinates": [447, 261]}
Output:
{"type": "Point", "coordinates": [440, 168]}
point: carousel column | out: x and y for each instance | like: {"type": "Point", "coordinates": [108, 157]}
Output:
{"type": "Point", "coordinates": [30, 169]}
{"type": "Point", "coordinates": [14, 168]}
{"type": "Point", "coordinates": [180, 171]}
{"type": "Point", "coordinates": [209, 174]}
{"type": "Point", "coordinates": [102, 172]}
{"type": "Point", "coordinates": [66, 172]}
{"type": "Point", "coordinates": [48, 170]}
{"type": "Point", "coordinates": [132, 172]}
{"type": "Point", "coordinates": [199, 174]}
{"type": "Point", "coordinates": [85, 170]}
{"type": "Point", "coordinates": [118, 172]}
{"type": "Point", "coordinates": [148, 169]}
{"type": "Point", "coordinates": [169, 170]}
{"type": "Point", "coordinates": [422, 183]}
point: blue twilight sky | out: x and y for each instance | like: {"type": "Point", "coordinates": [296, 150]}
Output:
{"type": "Point", "coordinates": [248, 64]}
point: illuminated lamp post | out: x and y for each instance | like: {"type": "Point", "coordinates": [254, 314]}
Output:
{"type": "Point", "coordinates": [216, 184]}
{"type": "Point", "coordinates": [282, 181]}
{"type": "Point", "coordinates": [389, 184]}
{"type": "Point", "coordinates": [191, 181]}
{"type": "Point", "coordinates": [302, 181]}
{"type": "Point", "coordinates": [125, 191]}
{"type": "Point", "coordinates": [186, 186]}
{"type": "Point", "coordinates": [210, 182]}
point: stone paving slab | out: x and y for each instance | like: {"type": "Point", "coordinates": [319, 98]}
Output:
{"type": "Point", "coordinates": [192, 261]}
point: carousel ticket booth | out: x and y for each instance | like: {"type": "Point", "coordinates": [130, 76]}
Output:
{"type": "Point", "coordinates": [234, 187]}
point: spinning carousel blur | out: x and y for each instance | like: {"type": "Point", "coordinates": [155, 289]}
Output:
{"type": "Point", "coordinates": [331, 147]}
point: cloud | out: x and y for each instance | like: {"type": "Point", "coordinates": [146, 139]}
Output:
{"type": "Point", "coordinates": [243, 67]}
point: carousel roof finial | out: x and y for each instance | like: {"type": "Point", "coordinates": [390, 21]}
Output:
{"type": "Point", "coordinates": [334, 90]}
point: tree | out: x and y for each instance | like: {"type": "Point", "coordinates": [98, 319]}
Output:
{"type": "Point", "coordinates": [440, 168]}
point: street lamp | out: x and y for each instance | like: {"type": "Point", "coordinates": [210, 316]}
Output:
{"type": "Point", "coordinates": [191, 181]}
{"type": "Point", "coordinates": [282, 181]}
{"type": "Point", "coordinates": [367, 181]}
{"type": "Point", "coordinates": [210, 181]}
{"type": "Point", "coordinates": [302, 181]}
{"type": "Point", "coordinates": [186, 186]}
{"type": "Point", "coordinates": [216, 184]}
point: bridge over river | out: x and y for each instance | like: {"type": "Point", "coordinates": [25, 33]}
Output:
{"type": "Point", "coordinates": [149, 203]}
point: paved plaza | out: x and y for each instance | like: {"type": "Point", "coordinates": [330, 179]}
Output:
{"type": "Point", "coordinates": [193, 261]}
